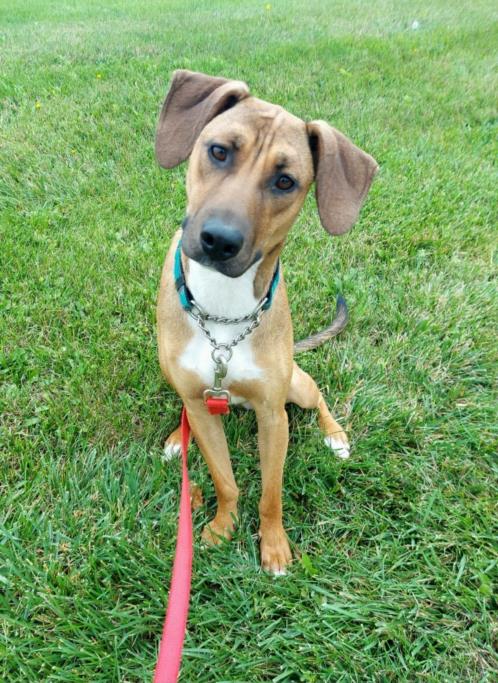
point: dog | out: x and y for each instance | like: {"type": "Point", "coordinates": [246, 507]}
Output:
{"type": "Point", "coordinates": [223, 320]}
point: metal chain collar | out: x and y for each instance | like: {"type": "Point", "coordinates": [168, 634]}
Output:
{"type": "Point", "coordinates": [222, 352]}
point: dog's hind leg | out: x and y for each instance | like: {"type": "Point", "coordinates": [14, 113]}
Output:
{"type": "Point", "coordinates": [305, 393]}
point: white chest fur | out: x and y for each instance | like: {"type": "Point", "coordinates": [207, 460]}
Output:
{"type": "Point", "coordinates": [229, 297]}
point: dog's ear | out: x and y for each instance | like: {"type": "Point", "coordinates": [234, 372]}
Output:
{"type": "Point", "coordinates": [192, 101]}
{"type": "Point", "coordinates": [343, 175]}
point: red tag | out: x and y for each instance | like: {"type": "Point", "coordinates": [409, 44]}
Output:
{"type": "Point", "coordinates": [217, 406]}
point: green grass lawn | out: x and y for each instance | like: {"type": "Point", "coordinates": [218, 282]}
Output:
{"type": "Point", "coordinates": [395, 548]}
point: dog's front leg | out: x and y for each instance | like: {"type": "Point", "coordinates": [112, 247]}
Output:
{"type": "Point", "coordinates": [273, 437]}
{"type": "Point", "coordinates": [210, 437]}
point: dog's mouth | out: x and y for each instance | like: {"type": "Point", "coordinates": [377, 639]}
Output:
{"type": "Point", "coordinates": [232, 268]}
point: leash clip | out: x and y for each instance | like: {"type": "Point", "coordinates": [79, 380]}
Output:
{"type": "Point", "coordinates": [217, 401]}
{"type": "Point", "coordinates": [217, 398]}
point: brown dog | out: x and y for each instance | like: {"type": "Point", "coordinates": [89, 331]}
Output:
{"type": "Point", "coordinates": [223, 319]}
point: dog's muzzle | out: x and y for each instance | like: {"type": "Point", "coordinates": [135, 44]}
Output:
{"type": "Point", "coordinates": [220, 241]}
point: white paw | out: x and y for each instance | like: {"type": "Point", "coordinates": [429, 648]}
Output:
{"type": "Point", "coordinates": [340, 448]}
{"type": "Point", "coordinates": [279, 572]}
{"type": "Point", "coordinates": [171, 450]}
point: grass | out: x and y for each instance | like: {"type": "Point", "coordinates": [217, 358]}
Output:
{"type": "Point", "coordinates": [396, 548]}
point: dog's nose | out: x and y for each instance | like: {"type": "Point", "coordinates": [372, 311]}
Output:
{"type": "Point", "coordinates": [219, 241]}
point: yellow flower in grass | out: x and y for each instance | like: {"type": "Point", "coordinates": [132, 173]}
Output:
{"type": "Point", "coordinates": [37, 104]}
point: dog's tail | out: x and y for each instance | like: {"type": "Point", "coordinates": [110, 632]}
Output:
{"type": "Point", "coordinates": [338, 324]}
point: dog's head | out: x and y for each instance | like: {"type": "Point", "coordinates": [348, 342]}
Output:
{"type": "Point", "coordinates": [251, 165]}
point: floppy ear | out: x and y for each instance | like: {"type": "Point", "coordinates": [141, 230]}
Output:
{"type": "Point", "coordinates": [192, 101]}
{"type": "Point", "coordinates": [343, 175]}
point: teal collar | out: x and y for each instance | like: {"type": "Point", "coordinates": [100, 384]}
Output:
{"type": "Point", "coordinates": [185, 295]}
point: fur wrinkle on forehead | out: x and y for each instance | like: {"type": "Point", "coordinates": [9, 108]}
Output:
{"type": "Point", "coordinates": [262, 130]}
{"type": "Point", "coordinates": [270, 114]}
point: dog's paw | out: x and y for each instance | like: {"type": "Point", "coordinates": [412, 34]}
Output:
{"type": "Point", "coordinates": [196, 497]}
{"type": "Point", "coordinates": [171, 450]}
{"type": "Point", "coordinates": [275, 551]}
{"type": "Point", "coordinates": [173, 445]}
{"type": "Point", "coordinates": [338, 443]}
{"type": "Point", "coordinates": [218, 530]}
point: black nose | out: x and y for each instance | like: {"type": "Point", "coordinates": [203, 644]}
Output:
{"type": "Point", "coordinates": [219, 241]}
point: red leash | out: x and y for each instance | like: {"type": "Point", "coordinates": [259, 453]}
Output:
{"type": "Point", "coordinates": [175, 624]}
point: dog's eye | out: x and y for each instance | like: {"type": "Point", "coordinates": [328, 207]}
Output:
{"type": "Point", "coordinates": [284, 183]}
{"type": "Point", "coordinates": [218, 152]}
